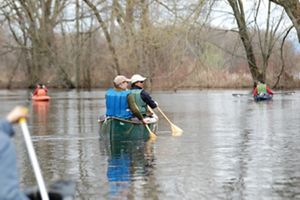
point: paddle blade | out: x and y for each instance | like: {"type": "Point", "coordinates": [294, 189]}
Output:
{"type": "Point", "coordinates": [176, 131]}
{"type": "Point", "coordinates": [152, 135]}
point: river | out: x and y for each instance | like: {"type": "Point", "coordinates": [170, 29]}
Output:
{"type": "Point", "coordinates": [231, 148]}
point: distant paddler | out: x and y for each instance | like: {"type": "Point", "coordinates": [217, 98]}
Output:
{"type": "Point", "coordinates": [40, 93]}
{"type": "Point", "coordinates": [262, 91]}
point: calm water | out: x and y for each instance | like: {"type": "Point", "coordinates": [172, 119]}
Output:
{"type": "Point", "coordinates": [232, 147]}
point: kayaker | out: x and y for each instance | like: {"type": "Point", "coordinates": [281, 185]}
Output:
{"type": "Point", "coordinates": [40, 90]}
{"type": "Point", "coordinates": [120, 102]}
{"type": "Point", "coordinates": [142, 98]}
{"type": "Point", "coordinates": [9, 180]}
{"type": "Point", "coordinates": [261, 89]}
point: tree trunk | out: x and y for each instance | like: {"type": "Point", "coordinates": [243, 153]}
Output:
{"type": "Point", "coordinates": [238, 10]}
{"type": "Point", "coordinates": [78, 46]}
{"type": "Point", "coordinates": [107, 36]}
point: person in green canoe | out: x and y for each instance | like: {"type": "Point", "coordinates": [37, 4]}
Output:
{"type": "Point", "coordinates": [142, 98]}
{"type": "Point", "coordinates": [120, 102]}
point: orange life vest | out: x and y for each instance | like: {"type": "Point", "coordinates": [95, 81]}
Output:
{"type": "Point", "coordinates": [41, 92]}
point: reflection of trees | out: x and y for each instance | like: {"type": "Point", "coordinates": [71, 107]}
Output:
{"type": "Point", "coordinates": [56, 132]}
{"type": "Point", "coordinates": [257, 153]}
{"type": "Point", "coordinates": [38, 126]}
{"type": "Point", "coordinates": [130, 169]}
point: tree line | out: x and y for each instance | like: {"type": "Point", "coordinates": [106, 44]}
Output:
{"type": "Point", "coordinates": [85, 43]}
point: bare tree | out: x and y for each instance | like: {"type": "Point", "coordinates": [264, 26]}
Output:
{"type": "Point", "coordinates": [78, 44]}
{"type": "Point", "coordinates": [268, 37]}
{"type": "Point", "coordinates": [260, 42]}
{"type": "Point", "coordinates": [292, 9]}
{"type": "Point", "coordinates": [171, 42]}
{"type": "Point", "coordinates": [239, 14]}
{"type": "Point", "coordinates": [282, 58]}
{"type": "Point", "coordinates": [107, 35]}
{"type": "Point", "coordinates": [32, 24]}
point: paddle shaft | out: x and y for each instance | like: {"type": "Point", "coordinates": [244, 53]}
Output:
{"type": "Point", "coordinates": [245, 94]}
{"type": "Point", "coordinates": [164, 115]}
{"type": "Point", "coordinates": [241, 94]}
{"type": "Point", "coordinates": [176, 131]}
{"type": "Point", "coordinates": [148, 128]}
{"type": "Point", "coordinates": [153, 135]}
{"type": "Point", "coordinates": [292, 92]}
{"type": "Point", "coordinates": [34, 161]}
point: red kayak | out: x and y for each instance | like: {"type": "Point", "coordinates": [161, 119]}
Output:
{"type": "Point", "coordinates": [40, 98]}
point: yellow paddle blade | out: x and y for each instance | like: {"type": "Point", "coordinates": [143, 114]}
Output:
{"type": "Point", "coordinates": [176, 131]}
{"type": "Point", "coordinates": [152, 135]}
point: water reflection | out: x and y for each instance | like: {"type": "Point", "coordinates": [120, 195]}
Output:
{"type": "Point", "coordinates": [232, 147]}
{"type": "Point", "coordinates": [40, 111]}
{"type": "Point", "coordinates": [129, 165]}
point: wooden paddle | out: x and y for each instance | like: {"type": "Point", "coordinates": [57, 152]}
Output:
{"type": "Point", "coordinates": [287, 92]}
{"type": "Point", "coordinates": [34, 161]}
{"type": "Point", "coordinates": [250, 94]}
{"type": "Point", "coordinates": [176, 131]}
{"type": "Point", "coordinates": [241, 94]}
{"type": "Point", "coordinates": [152, 135]}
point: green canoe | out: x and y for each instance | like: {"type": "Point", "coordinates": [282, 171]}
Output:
{"type": "Point", "coordinates": [116, 129]}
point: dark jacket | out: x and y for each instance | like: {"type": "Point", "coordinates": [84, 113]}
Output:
{"type": "Point", "coordinates": [146, 97]}
{"type": "Point", "coordinates": [9, 181]}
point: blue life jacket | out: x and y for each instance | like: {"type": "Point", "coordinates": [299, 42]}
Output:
{"type": "Point", "coordinates": [117, 104]}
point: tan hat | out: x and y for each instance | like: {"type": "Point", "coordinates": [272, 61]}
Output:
{"type": "Point", "coordinates": [120, 79]}
{"type": "Point", "coordinates": [136, 78]}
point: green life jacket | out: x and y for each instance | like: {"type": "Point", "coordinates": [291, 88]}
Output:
{"type": "Point", "coordinates": [139, 101]}
{"type": "Point", "coordinates": [261, 88]}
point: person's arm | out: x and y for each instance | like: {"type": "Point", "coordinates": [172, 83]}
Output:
{"type": "Point", "coordinates": [12, 117]}
{"type": "Point", "coordinates": [35, 91]}
{"type": "Point", "coordinates": [9, 180]}
{"type": "Point", "coordinates": [269, 90]}
{"type": "Point", "coordinates": [133, 107]}
{"type": "Point", "coordinates": [16, 114]}
{"type": "Point", "coordinates": [255, 92]}
{"type": "Point", "coordinates": [148, 100]}
{"type": "Point", "coordinates": [45, 88]}
{"type": "Point", "coordinates": [6, 127]}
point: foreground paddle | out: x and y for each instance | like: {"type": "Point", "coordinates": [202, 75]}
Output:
{"type": "Point", "coordinates": [152, 135]}
{"type": "Point", "coordinates": [34, 160]}
{"type": "Point", "coordinates": [176, 131]}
